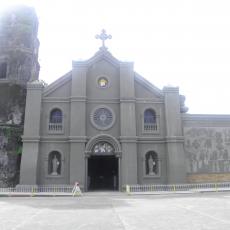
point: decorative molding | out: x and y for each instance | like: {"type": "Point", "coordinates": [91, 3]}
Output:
{"type": "Point", "coordinates": [78, 99]}
{"type": "Point", "coordinates": [128, 139]}
{"type": "Point", "coordinates": [147, 139]}
{"type": "Point", "coordinates": [78, 139]}
{"type": "Point", "coordinates": [168, 89]}
{"type": "Point", "coordinates": [174, 139]}
{"type": "Point", "coordinates": [148, 101]}
{"type": "Point", "coordinates": [55, 100]}
{"type": "Point", "coordinates": [30, 139]}
{"type": "Point", "coordinates": [127, 100]}
{"type": "Point", "coordinates": [35, 85]}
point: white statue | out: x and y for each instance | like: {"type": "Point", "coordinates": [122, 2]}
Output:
{"type": "Point", "coordinates": [151, 164]}
{"type": "Point", "coordinates": [55, 164]}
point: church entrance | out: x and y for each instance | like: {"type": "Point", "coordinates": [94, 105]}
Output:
{"type": "Point", "coordinates": [103, 169]}
{"type": "Point", "coordinates": [103, 173]}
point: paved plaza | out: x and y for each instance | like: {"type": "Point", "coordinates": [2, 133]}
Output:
{"type": "Point", "coordinates": [108, 211]}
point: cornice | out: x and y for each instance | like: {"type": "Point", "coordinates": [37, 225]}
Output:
{"type": "Point", "coordinates": [174, 139]}
{"type": "Point", "coordinates": [35, 85]}
{"type": "Point", "coordinates": [206, 117]}
{"type": "Point", "coordinates": [149, 100]}
{"type": "Point", "coordinates": [55, 100]}
{"type": "Point", "coordinates": [169, 89]}
{"type": "Point", "coordinates": [33, 139]}
{"type": "Point", "coordinates": [78, 139]}
{"type": "Point", "coordinates": [128, 100]}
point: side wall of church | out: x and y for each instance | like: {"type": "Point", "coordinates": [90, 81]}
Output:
{"type": "Point", "coordinates": [207, 147]}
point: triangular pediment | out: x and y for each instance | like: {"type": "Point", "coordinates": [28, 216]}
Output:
{"type": "Point", "coordinates": [144, 89]}
{"type": "Point", "coordinates": [60, 86]}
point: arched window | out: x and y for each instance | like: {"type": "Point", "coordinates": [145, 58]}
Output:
{"type": "Point", "coordinates": [150, 123]}
{"type": "Point", "coordinates": [55, 120]}
{"type": "Point", "coordinates": [151, 163]}
{"type": "Point", "coordinates": [56, 116]}
{"type": "Point", "coordinates": [54, 163]}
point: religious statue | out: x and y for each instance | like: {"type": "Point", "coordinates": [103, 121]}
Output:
{"type": "Point", "coordinates": [55, 164]}
{"type": "Point", "coordinates": [151, 165]}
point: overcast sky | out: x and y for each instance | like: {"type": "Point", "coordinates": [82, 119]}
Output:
{"type": "Point", "coordinates": [183, 43]}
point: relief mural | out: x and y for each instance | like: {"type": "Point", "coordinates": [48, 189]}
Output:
{"type": "Point", "coordinates": [207, 150]}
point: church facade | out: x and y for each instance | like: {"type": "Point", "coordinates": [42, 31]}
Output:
{"type": "Point", "coordinates": [104, 126]}
{"type": "Point", "coordinates": [101, 124]}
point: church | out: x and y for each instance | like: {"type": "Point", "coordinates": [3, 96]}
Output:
{"type": "Point", "coordinates": [105, 126]}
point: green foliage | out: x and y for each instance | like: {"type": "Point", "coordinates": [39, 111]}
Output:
{"type": "Point", "coordinates": [13, 134]}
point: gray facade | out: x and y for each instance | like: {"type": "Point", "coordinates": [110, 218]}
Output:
{"type": "Point", "coordinates": [104, 126]}
{"type": "Point", "coordinates": [102, 103]}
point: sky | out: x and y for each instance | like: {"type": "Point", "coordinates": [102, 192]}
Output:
{"type": "Point", "coordinates": [184, 43]}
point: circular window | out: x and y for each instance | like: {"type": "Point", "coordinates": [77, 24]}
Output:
{"type": "Point", "coordinates": [103, 82]}
{"type": "Point", "coordinates": [102, 118]}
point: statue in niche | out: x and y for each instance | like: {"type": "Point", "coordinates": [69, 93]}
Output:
{"type": "Point", "coordinates": [151, 166]}
{"type": "Point", "coordinates": [55, 164]}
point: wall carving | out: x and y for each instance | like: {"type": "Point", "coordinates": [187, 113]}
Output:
{"type": "Point", "coordinates": [207, 150]}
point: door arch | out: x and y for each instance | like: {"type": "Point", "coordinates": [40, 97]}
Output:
{"type": "Point", "coordinates": [102, 159]}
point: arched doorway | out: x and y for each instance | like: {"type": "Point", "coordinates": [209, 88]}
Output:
{"type": "Point", "coordinates": [103, 163]}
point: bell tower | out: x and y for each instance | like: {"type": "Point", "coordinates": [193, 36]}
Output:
{"type": "Point", "coordinates": [19, 45]}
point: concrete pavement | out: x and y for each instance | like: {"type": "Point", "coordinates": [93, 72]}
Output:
{"type": "Point", "coordinates": [117, 211]}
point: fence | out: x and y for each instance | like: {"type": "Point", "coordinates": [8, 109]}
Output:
{"type": "Point", "coordinates": [130, 189]}
{"type": "Point", "coordinates": [156, 188]}
{"type": "Point", "coordinates": [54, 189]}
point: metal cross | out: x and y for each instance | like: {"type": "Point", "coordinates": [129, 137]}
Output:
{"type": "Point", "coordinates": [103, 36]}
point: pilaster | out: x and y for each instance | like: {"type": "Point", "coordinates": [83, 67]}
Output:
{"type": "Point", "coordinates": [78, 124]}
{"type": "Point", "coordinates": [128, 124]}
{"type": "Point", "coordinates": [176, 168]}
{"type": "Point", "coordinates": [31, 137]}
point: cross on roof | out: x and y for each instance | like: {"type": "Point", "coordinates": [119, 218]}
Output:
{"type": "Point", "coordinates": [103, 36]}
